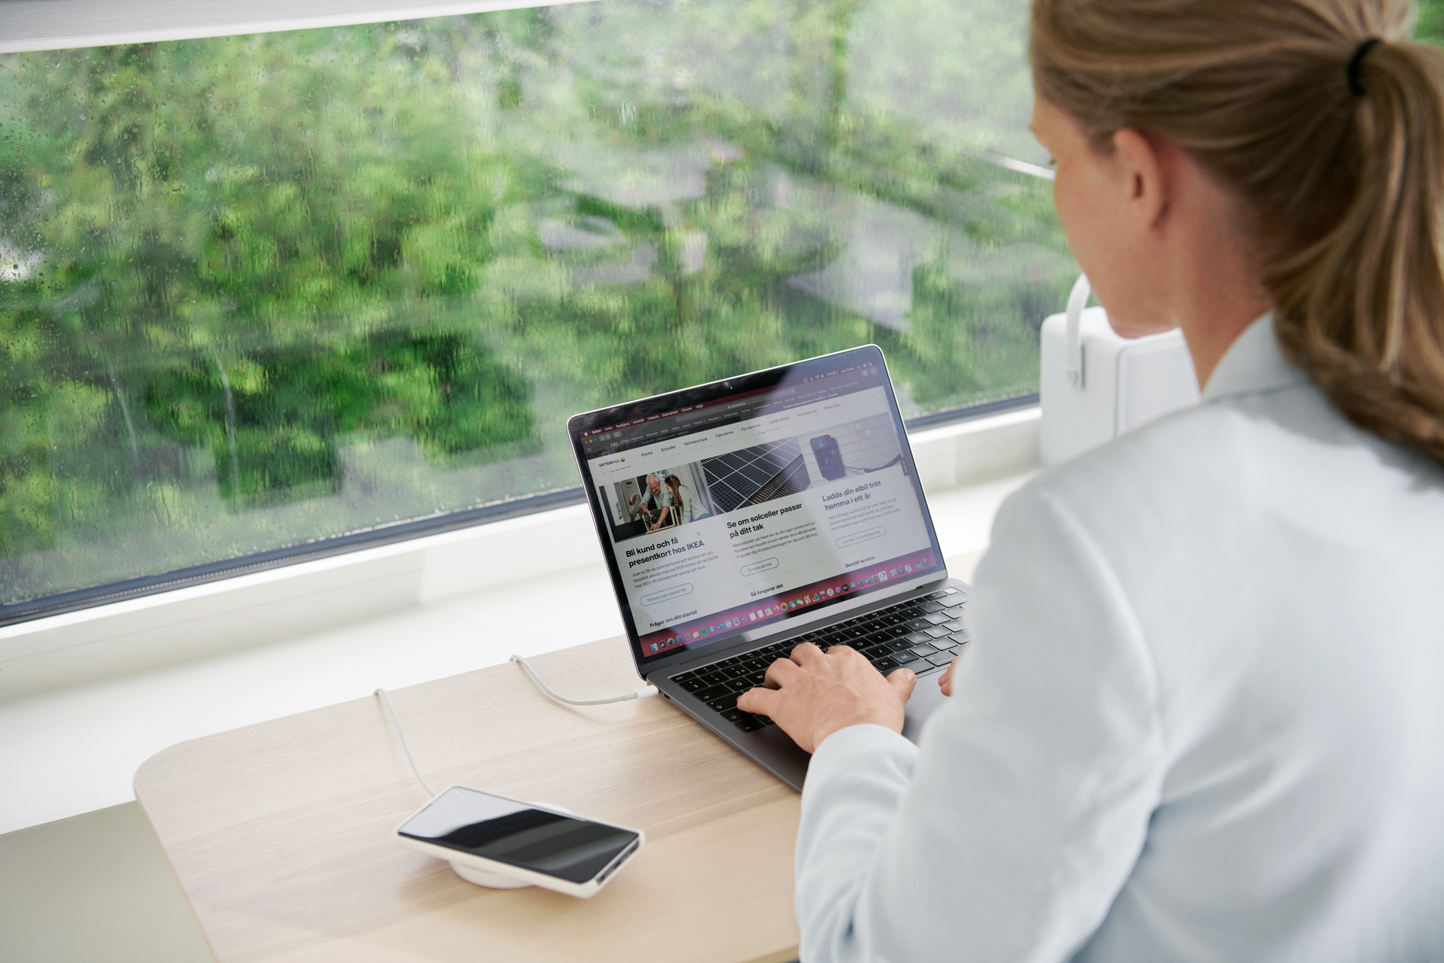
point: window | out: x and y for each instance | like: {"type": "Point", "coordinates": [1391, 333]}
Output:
{"type": "Point", "coordinates": [278, 293]}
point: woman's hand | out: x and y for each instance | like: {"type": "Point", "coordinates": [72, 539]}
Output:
{"type": "Point", "coordinates": [814, 693]}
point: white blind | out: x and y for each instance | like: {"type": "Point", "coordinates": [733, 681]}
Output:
{"type": "Point", "coordinates": [58, 24]}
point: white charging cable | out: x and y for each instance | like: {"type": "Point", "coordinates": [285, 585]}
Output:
{"type": "Point", "coordinates": [642, 693]}
{"type": "Point", "coordinates": [404, 744]}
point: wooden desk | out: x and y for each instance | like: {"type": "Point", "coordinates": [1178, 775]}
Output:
{"type": "Point", "coordinates": [279, 832]}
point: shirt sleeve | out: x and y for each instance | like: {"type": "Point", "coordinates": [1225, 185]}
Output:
{"type": "Point", "coordinates": [1007, 834]}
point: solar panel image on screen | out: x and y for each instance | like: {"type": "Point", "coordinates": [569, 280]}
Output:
{"type": "Point", "coordinates": [753, 475]}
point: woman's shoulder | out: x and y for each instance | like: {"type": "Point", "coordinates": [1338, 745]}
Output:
{"type": "Point", "coordinates": [1199, 448]}
{"type": "Point", "coordinates": [1248, 458]}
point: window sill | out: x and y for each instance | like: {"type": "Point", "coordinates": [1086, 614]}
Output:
{"type": "Point", "coordinates": [85, 697]}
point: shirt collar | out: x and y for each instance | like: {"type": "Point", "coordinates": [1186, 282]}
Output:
{"type": "Point", "coordinates": [1252, 364]}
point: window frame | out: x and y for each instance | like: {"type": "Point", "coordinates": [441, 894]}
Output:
{"type": "Point", "coordinates": [31, 25]}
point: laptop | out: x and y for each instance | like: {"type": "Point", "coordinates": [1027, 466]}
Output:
{"type": "Point", "coordinates": [744, 517]}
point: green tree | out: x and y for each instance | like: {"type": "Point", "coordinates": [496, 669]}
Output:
{"type": "Point", "coordinates": [241, 265]}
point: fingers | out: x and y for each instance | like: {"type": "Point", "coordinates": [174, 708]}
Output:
{"type": "Point", "coordinates": [757, 700]}
{"type": "Point", "coordinates": [945, 681]}
{"type": "Point", "coordinates": [804, 653]}
{"type": "Point", "coordinates": [813, 693]}
{"type": "Point", "coordinates": [903, 681]}
{"type": "Point", "coordinates": [779, 672]}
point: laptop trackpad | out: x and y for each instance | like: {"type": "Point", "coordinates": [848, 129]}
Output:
{"type": "Point", "coordinates": [926, 698]}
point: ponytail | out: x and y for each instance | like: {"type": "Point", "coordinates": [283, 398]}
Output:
{"type": "Point", "coordinates": [1335, 146]}
{"type": "Point", "coordinates": [1363, 308]}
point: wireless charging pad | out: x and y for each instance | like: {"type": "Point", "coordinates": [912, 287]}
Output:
{"type": "Point", "coordinates": [481, 877]}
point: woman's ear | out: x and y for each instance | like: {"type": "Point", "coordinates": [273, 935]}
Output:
{"type": "Point", "coordinates": [1143, 182]}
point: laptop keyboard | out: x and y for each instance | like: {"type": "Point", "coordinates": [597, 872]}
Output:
{"type": "Point", "coordinates": [920, 633]}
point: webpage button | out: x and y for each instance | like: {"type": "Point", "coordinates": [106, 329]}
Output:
{"type": "Point", "coordinates": [667, 594]}
{"type": "Point", "coordinates": [856, 537]}
{"type": "Point", "coordinates": [754, 568]}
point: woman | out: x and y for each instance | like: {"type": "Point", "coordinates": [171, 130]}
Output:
{"type": "Point", "coordinates": [683, 510]}
{"type": "Point", "coordinates": [670, 513]}
{"type": "Point", "coordinates": [1203, 714]}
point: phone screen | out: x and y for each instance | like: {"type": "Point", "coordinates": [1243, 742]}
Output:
{"type": "Point", "coordinates": [515, 833]}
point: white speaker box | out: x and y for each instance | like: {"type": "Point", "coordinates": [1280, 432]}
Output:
{"type": "Point", "coordinates": [1094, 385]}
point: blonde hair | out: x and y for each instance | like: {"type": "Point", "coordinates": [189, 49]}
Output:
{"type": "Point", "coordinates": [1338, 171]}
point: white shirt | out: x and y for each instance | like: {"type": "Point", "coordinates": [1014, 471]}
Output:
{"type": "Point", "coordinates": [1202, 717]}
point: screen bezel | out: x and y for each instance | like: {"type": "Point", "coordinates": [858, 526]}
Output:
{"type": "Point", "coordinates": [751, 383]}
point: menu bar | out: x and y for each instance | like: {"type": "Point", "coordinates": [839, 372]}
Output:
{"type": "Point", "coordinates": [735, 408]}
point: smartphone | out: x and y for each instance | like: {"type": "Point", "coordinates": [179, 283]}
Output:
{"type": "Point", "coordinates": [487, 837]}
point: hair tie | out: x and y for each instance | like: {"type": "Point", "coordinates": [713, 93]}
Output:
{"type": "Point", "coordinates": [1351, 72]}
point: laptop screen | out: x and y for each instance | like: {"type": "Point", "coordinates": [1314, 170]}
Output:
{"type": "Point", "coordinates": [743, 503]}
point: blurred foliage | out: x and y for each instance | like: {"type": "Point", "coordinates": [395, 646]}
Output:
{"type": "Point", "coordinates": [271, 419]}
{"type": "Point", "coordinates": [256, 291]}
{"type": "Point", "coordinates": [1429, 25]}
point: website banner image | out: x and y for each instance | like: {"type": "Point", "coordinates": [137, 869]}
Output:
{"type": "Point", "coordinates": [663, 498]}
{"type": "Point", "coordinates": [779, 524]}
{"type": "Point", "coordinates": [750, 476]}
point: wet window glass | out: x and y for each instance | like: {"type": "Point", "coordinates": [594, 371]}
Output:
{"type": "Point", "coordinates": [261, 291]}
